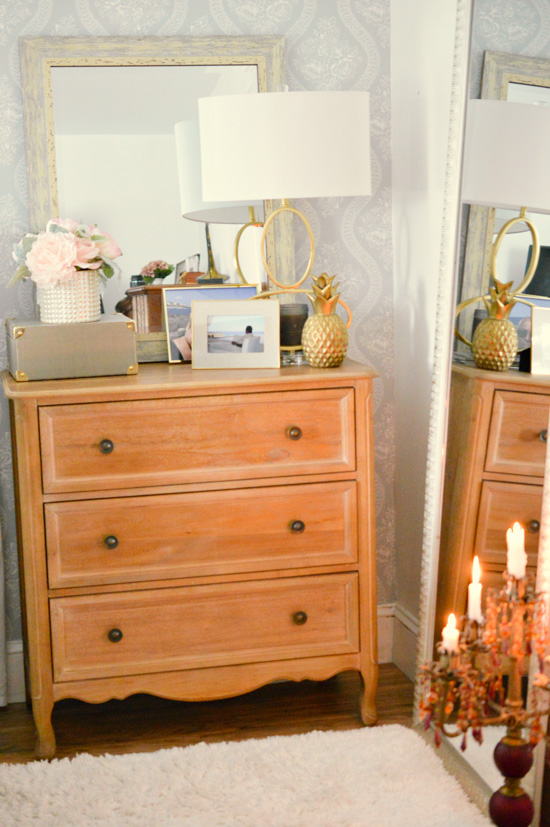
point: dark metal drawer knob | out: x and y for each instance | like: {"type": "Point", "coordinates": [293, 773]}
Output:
{"type": "Point", "coordinates": [106, 446]}
{"type": "Point", "coordinates": [297, 526]}
{"type": "Point", "coordinates": [533, 526]}
{"type": "Point", "coordinates": [115, 635]}
{"type": "Point", "coordinates": [111, 541]}
{"type": "Point", "coordinates": [543, 436]}
{"type": "Point", "coordinates": [294, 432]}
{"type": "Point", "coordinates": [299, 618]}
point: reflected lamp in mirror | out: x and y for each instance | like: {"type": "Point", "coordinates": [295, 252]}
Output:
{"type": "Point", "coordinates": [507, 166]}
{"type": "Point", "coordinates": [283, 145]}
{"type": "Point", "coordinates": [195, 208]}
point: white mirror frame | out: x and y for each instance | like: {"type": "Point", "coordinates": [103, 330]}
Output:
{"type": "Point", "coordinates": [446, 298]}
{"type": "Point", "coordinates": [40, 54]}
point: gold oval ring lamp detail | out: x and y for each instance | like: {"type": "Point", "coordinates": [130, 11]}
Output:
{"type": "Point", "coordinates": [276, 146]}
{"type": "Point", "coordinates": [506, 165]}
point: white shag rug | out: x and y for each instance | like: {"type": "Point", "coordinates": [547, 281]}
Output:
{"type": "Point", "coordinates": [386, 776]}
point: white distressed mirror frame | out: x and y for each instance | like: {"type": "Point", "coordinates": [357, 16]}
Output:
{"type": "Point", "coordinates": [446, 292]}
{"type": "Point", "coordinates": [40, 54]}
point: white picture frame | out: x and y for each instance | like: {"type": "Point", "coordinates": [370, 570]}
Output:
{"type": "Point", "coordinates": [540, 341]}
{"type": "Point", "coordinates": [236, 334]}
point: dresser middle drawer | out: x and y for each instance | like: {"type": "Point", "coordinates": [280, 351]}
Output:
{"type": "Point", "coordinates": [217, 532]}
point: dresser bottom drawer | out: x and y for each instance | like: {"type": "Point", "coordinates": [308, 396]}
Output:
{"type": "Point", "coordinates": [130, 633]}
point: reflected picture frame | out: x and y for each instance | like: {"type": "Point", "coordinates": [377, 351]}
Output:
{"type": "Point", "coordinates": [236, 334]}
{"type": "Point", "coordinates": [540, 341]}
{"type": "Point", "coordinates": [521, 316]}
{"type": "Point", "coordinates": [177, 301]}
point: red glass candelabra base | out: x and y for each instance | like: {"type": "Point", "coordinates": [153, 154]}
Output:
{"type": "Point", "coordinates": [509, 811]}
{"type": "Point", "coordinates": [510, 806]}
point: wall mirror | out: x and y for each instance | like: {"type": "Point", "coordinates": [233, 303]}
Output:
{"type": "Point", "coordinates": [516, 78]}
{"type": "Point", "coordinates": [100, 140]}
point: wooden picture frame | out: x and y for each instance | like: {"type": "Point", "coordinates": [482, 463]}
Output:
{"type": "Point", "coordinates": [177, 302]}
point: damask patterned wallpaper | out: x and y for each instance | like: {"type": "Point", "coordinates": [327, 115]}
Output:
{"type": "Point", "coordinates": [519, 27]}
{"type": "Point", "coordinates": [330, 45]}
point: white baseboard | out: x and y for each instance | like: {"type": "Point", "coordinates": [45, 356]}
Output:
{"type": "Point", "coordinates": [385, 614]}
{"type": "Point", "coordinates": [405, 637]}
{"type": "Point", "coordinates": [16, 673]}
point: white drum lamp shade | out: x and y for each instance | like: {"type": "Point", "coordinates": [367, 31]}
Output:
{"type": "Point", "coordinates": [507, 156]}
{"type": "Point", "coordinates": [281, 145]}
{"type": "Point", "coordinates": [193, 205]}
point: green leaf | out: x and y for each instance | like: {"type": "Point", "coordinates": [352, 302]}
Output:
{"type": "Point", "coordinates": [107, 270]}
{"type": "Point", "coordinates": [22, 272]}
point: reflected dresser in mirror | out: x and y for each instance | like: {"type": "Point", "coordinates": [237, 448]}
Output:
{"type": "Point", "coordinates": [194, 534]}
{"type": "Point", "coordinates": [496, 453]}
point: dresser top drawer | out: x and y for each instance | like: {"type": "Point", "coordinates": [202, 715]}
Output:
{"type": "Point", "coordinates": [110, 445]}
{"type": "Point", "coordinates": [517, 436]}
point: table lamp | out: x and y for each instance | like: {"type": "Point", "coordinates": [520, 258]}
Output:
{"type": "Point", "coordinates": [195, 208]}
{"type": "Point", "coordinates": [282, 145]}
{"type": "Point", "coordinates": [507, 166]}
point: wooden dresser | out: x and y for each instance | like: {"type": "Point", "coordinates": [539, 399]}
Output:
{"type": "Point", "coordinates": [496, 452]}
{"type": "Point", "coordinates": [194, 534]}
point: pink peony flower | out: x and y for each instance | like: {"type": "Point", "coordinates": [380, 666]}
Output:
{"type": "Point", "coordinates": [51, 259]}
{"type": "Point", "coordinates": [64, 249]}
{"type": "Point", "coordinates": [68, 224]}
{"type": "Point", "coordinates": [107, 246]}
{"type": "Point", "coordinates": [86, 250]}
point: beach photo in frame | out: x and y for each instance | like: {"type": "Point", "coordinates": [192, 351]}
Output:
{"type": "Point", "coordinates": [177, 301]}
{"type": "Point", "coordinates": [236, 334]}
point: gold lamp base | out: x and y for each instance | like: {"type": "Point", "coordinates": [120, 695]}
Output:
{"type": "Point", "coordinates": [211, 276]}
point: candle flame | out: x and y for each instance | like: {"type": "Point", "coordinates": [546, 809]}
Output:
{"type": "Point", "coordinates": [451, 623]}
{"type": "Point", "coordinates": [476, 570]}
{"type": "Point", "coordinates": [515, 531]}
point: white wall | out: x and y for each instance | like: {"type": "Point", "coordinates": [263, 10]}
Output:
{"type": "Point", "coordinates": [422, 44]}
{"type": "Point", "coordinates": [108, 190]}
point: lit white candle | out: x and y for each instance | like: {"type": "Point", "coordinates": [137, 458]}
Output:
{"type": "Point", "coordinates": [450, 636]}
{"type": "Point", "coordinates": [474, 593]}
{"type": "Point", "coordinates": [516, 558]}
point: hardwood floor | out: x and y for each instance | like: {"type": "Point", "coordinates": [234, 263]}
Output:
{"type": "Point", "coordinates": [143, 723]}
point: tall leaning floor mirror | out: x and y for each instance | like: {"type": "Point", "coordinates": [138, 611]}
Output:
{"type": "Point", "coordinates": [487, 466]}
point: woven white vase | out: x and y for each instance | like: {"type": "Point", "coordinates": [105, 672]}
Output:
{"type": "Point", "coordinates": [77, 300]}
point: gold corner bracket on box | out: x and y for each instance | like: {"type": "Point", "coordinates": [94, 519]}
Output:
{"type": "Point", "coordinates": [17, 332]}
{"type": "Point", "coordinates": [20, 376]}
{"type": "Point", "coordinates": [132, 369]}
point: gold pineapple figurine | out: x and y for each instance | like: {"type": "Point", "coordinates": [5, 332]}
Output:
{"type": "Point", "coordinates": [495, 340]}
{"type": "Point", "coordinates": [325, 336]}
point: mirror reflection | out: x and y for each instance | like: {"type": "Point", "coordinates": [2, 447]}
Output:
{"type": "Point", "coordinates": [498, 419]}
{"type": "Point", "coordinates": [116, 162]}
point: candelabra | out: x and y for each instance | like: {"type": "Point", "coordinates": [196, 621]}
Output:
{"type": "Point", "coordinates": [477, 681]}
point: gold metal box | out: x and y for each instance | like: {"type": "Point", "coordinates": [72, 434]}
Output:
{"type": "Point", "coordinates": [66, 351]}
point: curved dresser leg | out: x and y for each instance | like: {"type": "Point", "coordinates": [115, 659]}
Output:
{"type": "Point", "coordinates": [367, 699]}
{"type": "Point", "coordinates": [45, 736]}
